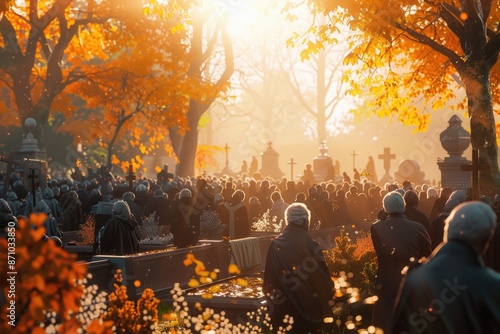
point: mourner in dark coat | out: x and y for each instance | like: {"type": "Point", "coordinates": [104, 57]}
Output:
{"type": "Point", "coordinates": [453, 292]}
{"type": "Point", "coordinates": [437, 225]}
{"type": "Point", "coordinates": [119, 235]}
{"type": "Point", "coordinates": [398, 243]}
{"type": "Point", "coordinates": [72, 213]}
{"type": "Point", "coordinates": [54, 206]}
{"type": "Point", "coordinates": [297, 281]}
{"type": "Point", "coordinates": [50, 224]}
{"type": "Point", "coordinates": [7, 219]}
{"type": "Point", "coordinates": [235, 216]}
{"type": "Point", "coordinates": [185, 223]}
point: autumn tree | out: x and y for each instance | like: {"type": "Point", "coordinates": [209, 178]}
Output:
{"type": "Point", "coordinates": [212, 67]}
{"type": "Point", "coordinates": [140, 91]}
{"type": "Point", "coordinates": [409, 50]}
{"type": "Point", "coordinates": [45, 47]}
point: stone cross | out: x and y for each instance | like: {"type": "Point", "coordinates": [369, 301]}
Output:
{"type": "Point", "coordinates": [33, 176]}
{"type": "Point", "coordinates": [10, 166]}
{"type": "Point", "coordinates": [130, 177]}
{"type": "Point", "coordinates": [475, 168]}
{"type": "Point", "coordinates": [353, 159]}
{"type": "Point", "coordinates": [227, 154]}
{"type": "Point", "coordinates": [387, 157]}
{"type": "Point", "coordinates": [291, 163]}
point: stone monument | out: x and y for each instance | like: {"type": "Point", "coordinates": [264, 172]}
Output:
{"type": "Point", "coordinates": [270, 163]}
{"type": "Point", "coordinates": [409, 170]}
{"type": "Point", "coordinates": [455, 140]}
{"type": "Point", "coordinates": [323, 164]}
{"type": "Point", "coordinates": [29, 161]}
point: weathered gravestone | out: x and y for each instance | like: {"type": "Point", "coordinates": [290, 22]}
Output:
{"type": "Point", "coordinates": [323, 165]}
{"type": "Point", "coordinates": [455, 140]}
{"type": "Point", "coordinates": [270, 163]}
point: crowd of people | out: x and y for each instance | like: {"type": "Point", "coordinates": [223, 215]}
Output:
{"type": "Point", "coordinates": [411, 223]}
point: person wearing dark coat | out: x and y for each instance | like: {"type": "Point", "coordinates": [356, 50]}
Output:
{"type": "Point", "coordinates": [160, 204]}
{"type": "Point", "coordinates": [54, 206]}
{"type": "Point", "coordinates": [72, 213]}
{"type": "Point", "coordinates": [411, 211]}
{"type": "Point", "coordinates": [436, 231]}
{"type": "Point", "coordinates": [119, 234]}
{"type": "Point", "coordinates": [95, 197]}
{"type": "Point", "coordinates": [13, 202]}
{"type": "Point", "coordinates": [50, 224]}
{"type": "Point", "coordinates": [439, 203]}
{"type": "Point", "coordinates": [398, 242]}
{"type": "Point", "coordinates": [83, 194]}
{"type": "Point", "coordinates": [452, 291]}
{"type": "Point", "coordinates": [254, 210]}
{"type": "Point", "coordinates": [129, 197]}
{"type": "Point", "coordinates": [325, 210]}
{"type": "Point", "coordinates": [7, 219]}
{"type": "Point", "coordinates": [264, 196]}
{"type": "Point", "coordinates": [185, 224]}
{"type": "Point", "coordinates": [297, 281]}
{"type": "Point", "coordinates": [235, 216]}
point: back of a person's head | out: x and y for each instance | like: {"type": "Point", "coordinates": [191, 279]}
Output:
{"type": "Point", "coordinates": [393, 202]}
{"type": "Point", "coordinates": [185, 193]}
{"type": "Point", "coordinates": [128, 196]}
{"type": "Point", "coordinates": [300, 197]}
{"type": "Point", "coordinates": [312, 190]}
{"type": "Point", "coordinates": [121, 209]}
{"type": "Point", "coordinates": [391, 187]}
{"type": "Point", "coordinates": [411, 198]}
{"type": "Point", "coordinates": [472, 223]}
{"type": "Point", "coordinates": [432, 192]}
{"type": "Point", "coordinates": [253, 200]}
{"type": "Point", "coordinates": [5, 207]}
{"type": "Point", "coordinates": [325, 195]}
{"type": "Point", "coordinates": [218, 198]}
{"type": "Point", "coordinates": [238, 196]}
{"type": "Point", "coordinates": [454, 200]}
{"type": "Point", "coordinates": [298, 214]}
{"type": "Point", "coordinates": [275, 196]}
{"type": "Point", "coordinates": [159, 192]}
{"type": "Point", "coordinates": [42, 207]}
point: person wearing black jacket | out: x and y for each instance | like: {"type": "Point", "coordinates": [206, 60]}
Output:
{"type": "Point", "coordinates": [119, 234]}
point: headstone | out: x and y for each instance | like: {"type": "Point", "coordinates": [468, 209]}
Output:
{"type": "Point", "coordinates": [455, 140]}
{"type": "Point", "coordinates": [409, 170]}
{"type": "Point", "coordinates": [322, 164]}
{"type": "Point", "coordinates": [270, 163]}
{"type": "Point", "coordinates": [102, 212]}
{"type": "Point", "coordinates": [29, 154]}
{"type": "Point", "coordinates": [131, 177]}
{"type": "Point", "coordinates": [164, 176]}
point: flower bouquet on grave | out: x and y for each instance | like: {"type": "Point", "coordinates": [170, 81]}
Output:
{"type": "Point", "coordinates": [86, 232]}
{"type": "Point", "coordinates": [149, 232]}
{"type": "Point", "coordinates": [267, 223]}
{"type": "Point", "coordinates": [211, 227]}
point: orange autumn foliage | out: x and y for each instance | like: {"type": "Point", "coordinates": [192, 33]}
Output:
{"type": "Point", "coordinates": [45, 280]}
{"type": "Point", "coordinates": [412, 57]}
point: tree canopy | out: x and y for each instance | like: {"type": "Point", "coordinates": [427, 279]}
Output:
{"type": "Point", "coordinates": [410, 50]}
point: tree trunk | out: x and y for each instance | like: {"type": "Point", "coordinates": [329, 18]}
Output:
{"type": "Point", "coordinates": [189, 146]}
{"type": "Point", "coordinates": [482, 123]}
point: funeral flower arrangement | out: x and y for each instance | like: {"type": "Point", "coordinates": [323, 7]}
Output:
{"type": "Point", "coordinates": [149, 232]}
{"type": "Point", "coordinates": [267, 223]}
{"type": "Point", "coordinates": [210, 225]}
